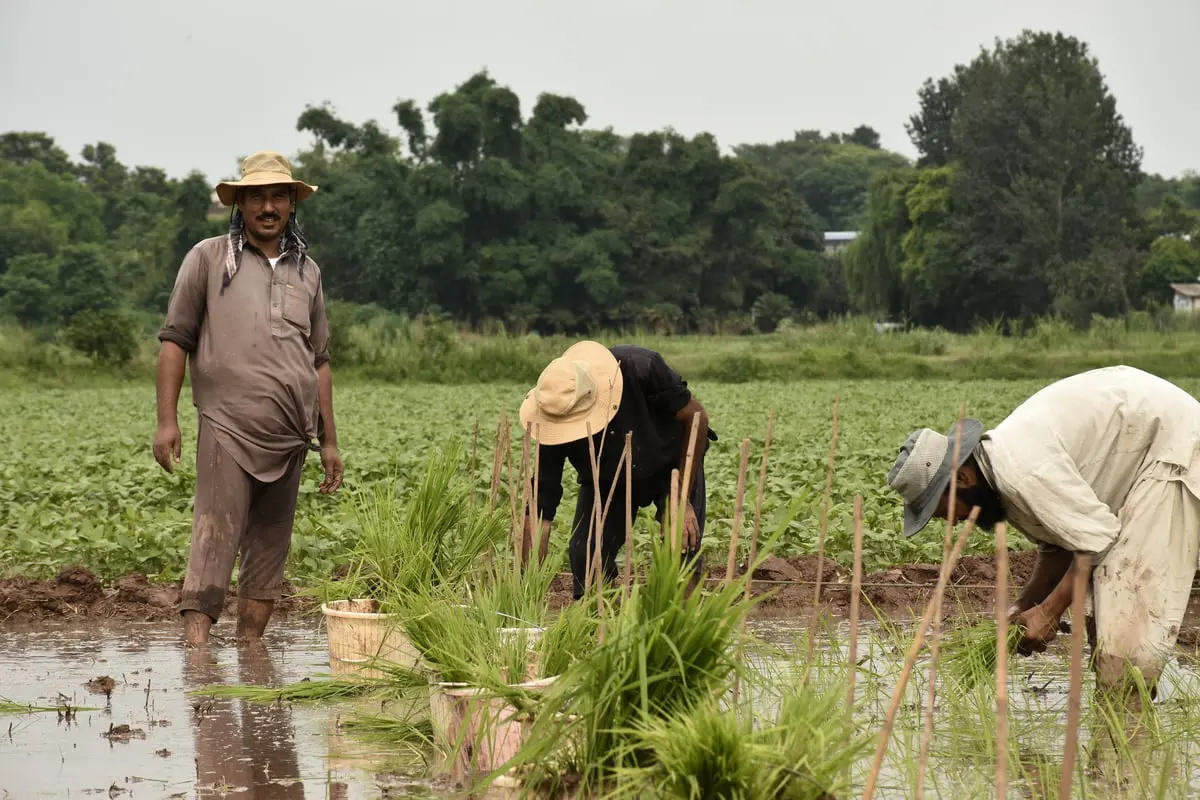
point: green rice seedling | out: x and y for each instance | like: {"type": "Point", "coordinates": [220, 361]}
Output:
{"type": "Point", "coordinates": [813, 745]}
{"type": "Point", "coordinates": [666, 651]}
{"type": "Point", "coordinates": [568, 639]}
{"type": "Point", "coordinates": [9, 707]}
{"type": "Point", "coordinates": [310, 691]}
{"type": "Point", "coordinates": [969, 655]}
{"type": "Point", "coordinates": [432, 538]}
{"type": "Point", "coordinates": [705, 753]}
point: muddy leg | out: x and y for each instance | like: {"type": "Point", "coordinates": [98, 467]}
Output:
{"type": "Point", "coordinates": [252, 618]}
{"type": "Point", "coordinates": [222, 505]}
{"type": "Point", "coordinates": [196, 625]}
{"type": "Point", "coordinates": [265, 549]}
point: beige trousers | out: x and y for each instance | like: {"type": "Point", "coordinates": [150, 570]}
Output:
{"type": "Point", "coordinates": [1140, 591]}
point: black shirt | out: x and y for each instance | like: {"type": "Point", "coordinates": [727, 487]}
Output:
{"type": "Point", "coordinates": [652, 395]}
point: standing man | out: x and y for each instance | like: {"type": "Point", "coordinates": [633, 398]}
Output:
{"type": "Point", "coordinates": [1105, 463]}
{"type": "Point", "coordinates": [612, 392]}
{"type": "Point", "coordinates": [248, 313]}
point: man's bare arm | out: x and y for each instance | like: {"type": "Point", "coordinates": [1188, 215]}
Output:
{"type": "Point", "coordinates": [168, 441]}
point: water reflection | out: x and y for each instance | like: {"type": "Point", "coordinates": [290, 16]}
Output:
{"type": "Point", "coordinates": [243, 748]}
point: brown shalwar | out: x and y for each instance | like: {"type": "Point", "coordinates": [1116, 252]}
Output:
{"type": "Point", "coordinates": [235, 512]}
{"type": "Point", "coordinates": [255, 343]}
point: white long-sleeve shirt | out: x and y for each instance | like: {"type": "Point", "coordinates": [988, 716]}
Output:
{"type": "Point", "coordinates": [1065, 460]}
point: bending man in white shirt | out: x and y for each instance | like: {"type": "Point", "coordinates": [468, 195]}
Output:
{"type": "Point", "coordinates": [1106, 463]}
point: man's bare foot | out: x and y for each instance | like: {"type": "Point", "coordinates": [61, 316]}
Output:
{"type": "Point", "coordinates": [196, 625]}
{"type": "Point", "coordinates": [252, 618]}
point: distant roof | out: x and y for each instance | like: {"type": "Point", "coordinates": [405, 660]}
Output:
{"type": "Point", "coordinates": [1187, 289]}
{"type": "Point", "coordinates": [840, 236]}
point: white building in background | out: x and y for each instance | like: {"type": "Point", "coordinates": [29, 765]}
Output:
{"type": "Point", "coordinates": [1187, 297]}
{"type": "Point", "coordinates": [836, 241]}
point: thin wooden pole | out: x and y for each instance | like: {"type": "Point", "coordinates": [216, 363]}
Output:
{"type": "Point", "coordinates": [935, 632]}
{"type": "Point", "coordinates": [628, 514]}
{"type": "Point", "coordinates": [812, 633]}
{"type": "Point", "coordinates": [738, 507]}
{"type": "Point", "coordinates": [1083, 570]}
{"type": "Point", "coordinates": [474, 464]}
{"type": "Point", "coordinates": [685, 486]}
{"type": "Point", "coordinates": [913, 650]}
{"type": "Point", "coordinates": [537, 510]}
{"type": "Point", "coordinates": [1002, 660]}
{"type": "Point", "coordinates": [497, 463]}
{"type": "Point", "coordinates": [594, 524]}
{"type": "Point", "coordinates": [758, 501]}
{"type": "Point", "coordinates": [855, 590]}
{"type": "Point", "coordinates": [523, 539]}
{"type": "Point", "coordinates": [675, 510]}
{"type": "Point", "coordinates": [508, 461]}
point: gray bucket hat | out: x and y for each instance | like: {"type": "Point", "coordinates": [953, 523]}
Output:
{"type": "Point", "coordinates": [921, 474]}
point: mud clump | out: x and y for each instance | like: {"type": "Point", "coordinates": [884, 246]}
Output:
{"type": "Point", "coordinates": [72, 592]}
{"type": "Point", "coordinates": [123, 733]}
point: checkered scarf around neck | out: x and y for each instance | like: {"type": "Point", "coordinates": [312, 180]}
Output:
{"type": "Point", "coordinates": [293, 241]}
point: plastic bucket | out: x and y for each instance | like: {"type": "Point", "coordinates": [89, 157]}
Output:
{"type": "Point", "coordinates": [475, 731]}
{"type": "Point", "coordinates": [358, 633]}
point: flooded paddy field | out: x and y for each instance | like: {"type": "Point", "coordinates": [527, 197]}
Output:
{"type": "Point", "coordinates": [143, 734]}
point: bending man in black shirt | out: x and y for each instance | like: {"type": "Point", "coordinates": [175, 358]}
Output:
{"type": "Point", "coordinates": [613, 392]}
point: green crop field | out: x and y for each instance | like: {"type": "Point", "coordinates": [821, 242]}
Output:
{"type": "Point", "coordinates": [79, 485]}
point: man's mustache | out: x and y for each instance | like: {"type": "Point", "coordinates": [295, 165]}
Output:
{"type": "Point", "coordinates": [267, 218]}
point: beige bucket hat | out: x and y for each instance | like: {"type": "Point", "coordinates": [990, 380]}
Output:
{"type": "Point", "coordinates": [580, 389]}
{"type": "Point", "coordinates": [264, 168]}
{"type": "Point", "coordinates": [921, 474]}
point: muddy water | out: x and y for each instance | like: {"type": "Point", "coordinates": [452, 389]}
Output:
{"type": "Point", "coordinates": [176, 746]}
{"type": "Point", "coordinates": [222, 748]}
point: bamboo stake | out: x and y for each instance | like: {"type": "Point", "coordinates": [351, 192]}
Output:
{"type": "Point", "coordinates": [812, 633]}
{"type": "Point", "coordinates": [855, 590]}
{"type": "Point", "coordinates": [1002, 660]}
{"type": "Point", "coordinates": [913, 650]}
{"type": "Point", "coordinates": [594, 524]}
{"type": "Point", "coordinates": [935, 632]}
{"type": "Point", "coordinates": [497, 462]}
{"type": "Point", "coordinates": [685, 486]}
{"type": "Point", "coordinates": [537, 513]}
{"type": "Point", "coordinates": [1083, 569]}
{"type": "Point", "coordinates": [520, 535]}
{"type": "Point", "coordinates": [731, 565]}
{"type": "Point", "coordinates": [758, 502]}
{"type": "Point", "coordinates": [674, 510]}
{"type": "Point", "coordinates": [508, 460]}
{"type": "Point", "coordinates": [474, 464]}
{"type": "Point", "coordinates": [628, 514]}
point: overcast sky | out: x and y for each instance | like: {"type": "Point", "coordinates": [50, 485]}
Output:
{"type": "Point", "coordinates": [197, 88]}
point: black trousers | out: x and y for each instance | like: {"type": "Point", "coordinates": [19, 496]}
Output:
{"type": "Point", "coordinates": [613, 535]}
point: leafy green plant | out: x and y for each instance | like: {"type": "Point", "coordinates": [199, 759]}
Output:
{"type": "Point", "coordinates": [432, 539]}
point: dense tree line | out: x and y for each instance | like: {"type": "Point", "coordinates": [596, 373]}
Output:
{"type": "Point", "coordinates": [1028, 199]}
{"type": "Point", "coordinates": [486, 213]}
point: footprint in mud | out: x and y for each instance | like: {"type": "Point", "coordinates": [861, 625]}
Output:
{"type": "Point", "coordinates": [123, 733]}
{"type": "Point", "coordinates": [103, 685]}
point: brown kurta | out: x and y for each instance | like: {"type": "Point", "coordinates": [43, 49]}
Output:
{"type": "Point", "coordinates": [254, 351]}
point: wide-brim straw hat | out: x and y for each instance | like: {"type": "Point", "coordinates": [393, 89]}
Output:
{"type": "Point", "coordinates": [921, 474]}
{"type": "Point", "coordinates": [264, 168]}
{"type": "Point", "coordinates": [577, 393]}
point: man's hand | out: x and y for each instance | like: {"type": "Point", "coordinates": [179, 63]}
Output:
{"type": "Point", "coordinates": [1038, 628]}
{"type": "Point", "coordinates": [691, 529]}
{"type": "Point", "coordinates": [168, 445]}
{"type": "Point", "coordinates": [331, 460]}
